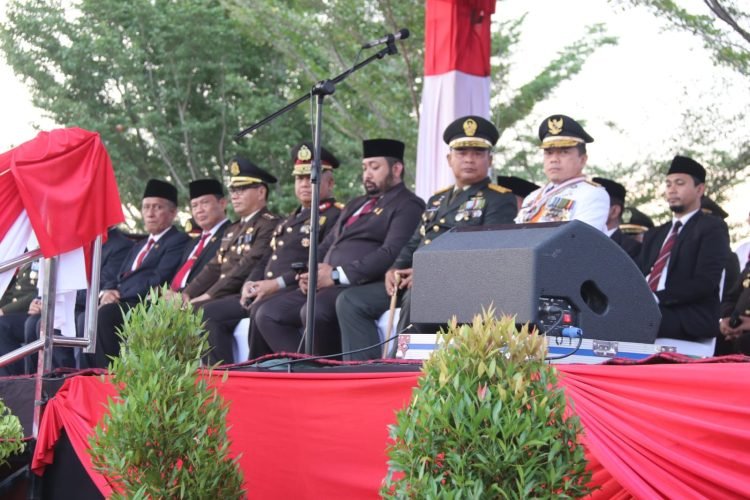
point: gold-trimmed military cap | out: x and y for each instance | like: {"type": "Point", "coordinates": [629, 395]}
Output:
{"type": "Point", "coordinates": [560, 131]}
{"type": "Point", "coordinates": [303, 155]}
{"type": "Point", "coordinates": [471, 132]}
{"type": "Point", "coordinates": [635, 222]}
{"type": "Point", "coordinates": [243, 172]}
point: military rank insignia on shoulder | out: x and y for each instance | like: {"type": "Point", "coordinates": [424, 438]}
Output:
{"type": "Point", "coordinates": [339, 205]}
{"type": "Point", "coordinates": [595, 184]}
{"type": "Point", "coordinates": [270, 216]}
{"type": "Point", "coordinates": [498, 189]}
{"type": "Point", "coordinates": [441, 191]}
{"type": "Point", "coordinates": [324, 206]}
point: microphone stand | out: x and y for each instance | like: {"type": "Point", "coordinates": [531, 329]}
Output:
{"type": "Point", "coordinates": [320, 91]}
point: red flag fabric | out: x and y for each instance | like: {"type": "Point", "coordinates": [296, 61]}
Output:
{"type": "Point", "coordinates": [457, 36]}
{"type": "Point", "coordinates": [64, 180]}
{"type": "Point", "coordinates": [651, 431]}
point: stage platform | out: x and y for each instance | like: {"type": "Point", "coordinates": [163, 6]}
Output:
{"type": "Point", "coordinates": [667, 427]}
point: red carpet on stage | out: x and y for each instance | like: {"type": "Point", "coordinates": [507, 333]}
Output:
{"type": "Point", "coordinates": [652, 430]}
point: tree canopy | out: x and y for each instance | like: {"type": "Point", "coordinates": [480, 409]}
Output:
{"type": "Point", "coordinates": [168, 83]}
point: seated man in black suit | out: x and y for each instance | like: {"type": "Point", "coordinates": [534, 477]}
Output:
{"type": "Point", "coordinates": [683, 261]}
{"type": "Point", "coordinates": [208, 207]}
{"type": "Point", "coordinates": [359, 249]}
{"type": "Point", "coordinates": [150, 263]}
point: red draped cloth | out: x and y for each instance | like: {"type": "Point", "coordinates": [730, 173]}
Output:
{"type": "Point", "coordinates": [651, 431]}
{"type": "Point", "coordinates": [64, 180]}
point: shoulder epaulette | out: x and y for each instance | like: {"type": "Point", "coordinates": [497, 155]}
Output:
{"type": "Point", "coordinates": [270, 216]}
{"type": "Point", "coordinates": [325, 206]}
{"type": "Point", "coordinates": [498, 189]}
{"type": "Point", "coordinates": [441, 191]}
{"type": "Point", "coordinates": [595, 184]}
{"type": "Point", "coordinates": [339, 205]}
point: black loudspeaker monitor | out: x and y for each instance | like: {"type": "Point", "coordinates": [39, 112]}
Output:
{"type": "Point", "coordinates": [548, 274]}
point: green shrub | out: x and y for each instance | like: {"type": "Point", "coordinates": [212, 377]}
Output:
{"type": "Point", "coordinates": [165, 435]}
{"type": "Point", "coordinates": [487, 421]}
{"type": "Point", "coordinates": [11, 434]}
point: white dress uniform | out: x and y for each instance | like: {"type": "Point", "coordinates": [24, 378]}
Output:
{"type": "Point", "coordinates": [575, 199]}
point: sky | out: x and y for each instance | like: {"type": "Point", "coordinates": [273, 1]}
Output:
{"type": "Point", "coordinates": [641, 85]}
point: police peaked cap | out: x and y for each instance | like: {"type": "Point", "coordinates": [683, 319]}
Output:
{"type": "Point", "coordinates": [303, 155]}
{"type": "Point", "coordinates": [243, 172]}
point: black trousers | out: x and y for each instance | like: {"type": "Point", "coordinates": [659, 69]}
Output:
{"type": "Point", "coordinates": [12, 337]}
{"type": "Point", "coordinates": [109, 319]}
{"type": "Point", "coordinates": [277, 323]}
{"type": "Point", "coordinates": [221, 317]}
{"type": "Point", "coordinates": [17, 330]}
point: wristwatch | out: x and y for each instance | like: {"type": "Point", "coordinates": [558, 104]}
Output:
{"type": "Point", "coordinates": [335, 277]}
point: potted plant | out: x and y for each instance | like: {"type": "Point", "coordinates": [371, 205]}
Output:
{"type": "Point", "coordinates": [165, 435]}
{"type": "Point", "coordinates": [487, 420]}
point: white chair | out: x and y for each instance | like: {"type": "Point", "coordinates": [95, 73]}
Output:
{"type": "Point", "coordinates": [240, 348]}
{"type": "Point", "coordinates": [383, 326]}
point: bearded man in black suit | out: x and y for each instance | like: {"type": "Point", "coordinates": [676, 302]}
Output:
{"type": "Point", "coordinates": [683, 261]}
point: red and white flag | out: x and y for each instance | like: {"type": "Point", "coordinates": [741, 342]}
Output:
{"type": "Point", "coordinates": [61, 186]}
{"type": "Point", "coordinates": [456, 81]}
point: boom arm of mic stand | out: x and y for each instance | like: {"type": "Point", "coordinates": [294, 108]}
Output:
{"type": "Point", "coordinates": [388, 50]}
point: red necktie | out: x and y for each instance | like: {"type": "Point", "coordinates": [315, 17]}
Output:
{"type": "Point", "coordinates": [188, 265]}
{"type": "Point", "coordinates": [366, 209]}
{"type": "Point", "coordinates": [142, 255]}
{"type": "Point", "coordinates": [661, 260]}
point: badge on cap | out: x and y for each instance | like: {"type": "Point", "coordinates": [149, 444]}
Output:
{"type": "Point", "coordinates": [470, 127]}
{"type": "Point", "coordinates": [555, 126]}
{"type": "Point", "coordinates": [304, 153]}
{"type": "Point", "coordinates": [234, 168]}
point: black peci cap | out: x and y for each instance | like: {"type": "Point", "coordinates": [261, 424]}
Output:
{"type": "Point", "coordinates": [201, 187]}
{"type": "Point", "coordinates": [560, 131]}
{"type": "Point", "coordinates": [614, 189]}
{"type": "Point", "coordinates": [383, 147]}
{"type": "Point", "coordinates": [160, 189]}
{"type": "Point", "coordinates": [303, 154]}
{"type": "Point", "coordinates": [471, 132]}
{"type": "Point", "coordinates": [685, 165]}
{"type": "Point", "coordinates": [245, 173]}
{"type": "Point", "coordinates": [519, 187]}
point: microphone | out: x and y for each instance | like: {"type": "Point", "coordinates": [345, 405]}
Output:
{"type": "Point", "coordinates": [390, 38]}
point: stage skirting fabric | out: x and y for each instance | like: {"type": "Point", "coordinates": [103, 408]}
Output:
{"type": "Point", "coordinates": [652, 431]}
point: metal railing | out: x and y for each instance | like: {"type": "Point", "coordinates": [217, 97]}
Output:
{"type": "Point", "coordinates": [47, 338]}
